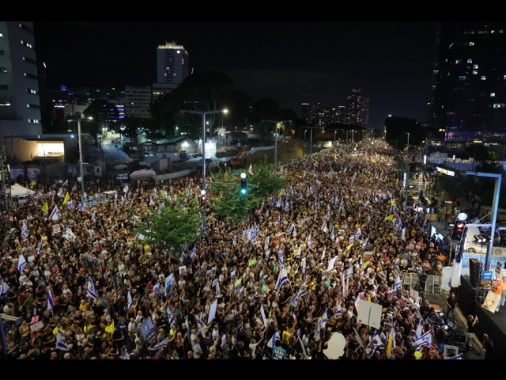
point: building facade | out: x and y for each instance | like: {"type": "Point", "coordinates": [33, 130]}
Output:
{"type": "Point", "coordinates": [171, 68]}
{"type": "Point", "coordinates": [469, 77]}
{"type": "Point", "coordinates": [138, 102]}
{"type": "Point", "coordinates": [20, 112]}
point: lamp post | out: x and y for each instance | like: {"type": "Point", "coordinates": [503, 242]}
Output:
{"type": "Point", "coordinates": [276, 123]}
{"type": "Point", "coordinates": [408, 142]}
{"type": "Point", "coordinates": [495, 205]}
{"type": "Point", "coordinates": [203, 191]}
{"type": "Point", "coordinates": [81, 171]}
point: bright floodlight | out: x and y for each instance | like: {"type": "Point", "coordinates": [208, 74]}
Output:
{"type": "Point", "coordinates": [202, 192]}
{"type": "Point", "coordinates": [243, 175]}
{"type": "Point", "coordinates": [462, 216]}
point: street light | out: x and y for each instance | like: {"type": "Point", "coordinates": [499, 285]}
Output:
{"type": "Point", "coordinates": [276, 122]}
{"type": "Point", "coordinates": [81, 171]}
{"type": "Point", "coordinates": [408, 141]}
{"type": "Point", "coordinates": [204, 113]}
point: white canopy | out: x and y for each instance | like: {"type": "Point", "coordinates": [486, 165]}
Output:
{"type": "Point", "coordinates": [20, 191]}
{"type": "Point", "coordinates": [143, 173]}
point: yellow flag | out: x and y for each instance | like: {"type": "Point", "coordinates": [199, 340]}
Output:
{"type": "Point", "coordinates": [390, 217]}
{"type": "Point", "coordinates": [45, 207]}
{"type": "Point", "coordinates": [390, 344]}
{"type": "Point", "coordinates": [110, 329]}
{"type": "Point", "coordinates": [66, 199]}
{"type": "Point", "coordinates": [349, 246]}
{"type": "Point", "coordinates": [366, 264]}
{"type": "Point", "coordinates": [392, 203]}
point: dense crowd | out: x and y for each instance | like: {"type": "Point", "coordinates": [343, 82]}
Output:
{"type": "Point", "coordinates": [280, 283]}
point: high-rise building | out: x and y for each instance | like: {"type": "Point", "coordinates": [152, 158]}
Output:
{"type": "Point", "coordinates": [357, 108]}
{"type": "Point", "coordinates": [20, 112]}
{"type": "Point", "coordinates": [138, 101]}
{"type": "Point", "coordinates": [171, 67]}
{"type": "Point", "coordinates": [469, 77]}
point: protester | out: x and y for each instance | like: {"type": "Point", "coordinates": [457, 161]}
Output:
{"type": "Point", "coordinates": [337, 231]}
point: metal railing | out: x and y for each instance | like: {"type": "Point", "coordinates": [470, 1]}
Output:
{"type": "Point", "coordinates": [432, 286]}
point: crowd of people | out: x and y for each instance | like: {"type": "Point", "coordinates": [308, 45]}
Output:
{"type": "Point", "coordinates": [280, 283]}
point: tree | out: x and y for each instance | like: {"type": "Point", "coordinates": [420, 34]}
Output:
{"type": "Point", "coordinates": [226, 202]}
{"type": "Point", "coordinates": [176, 222]}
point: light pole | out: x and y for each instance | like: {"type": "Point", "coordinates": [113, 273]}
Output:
{"type": "Point", "coordinates": [203, 191]}
{"type": "Point", "coordinates": [81, 171]}
{"type": "Point", "coordinates": [408, 141]}
{"type": "Point", "coordinates": [276, 123]}
{"type": "Point", "coordinates": [495, 205]}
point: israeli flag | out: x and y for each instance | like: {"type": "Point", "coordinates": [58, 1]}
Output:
{"type": "Point", "coordinates": [50, 301]}
{"type": "Point", "coordinates": [92, 290]}
{"type": "Point", "coordinates": [282, 278]}
{"type": "Point", "coordinates": [21, 262]}
{"type": "Point", "coordinates": [162, 344]}
{"type": "Point", "coordinates": [55, 214]}
{"type": "Point", "coordinates": [130, 302]}
{"type": "Point", "coordinates": [61, 342]}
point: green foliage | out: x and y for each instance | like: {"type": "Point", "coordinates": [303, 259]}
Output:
{"type": "Point", "coordinates": [226, 201]}
{"type": "Point", "coordinates": [176, 221]}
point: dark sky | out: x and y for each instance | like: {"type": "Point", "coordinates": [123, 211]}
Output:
{"type": "Point", "coordinates": [289, 61]}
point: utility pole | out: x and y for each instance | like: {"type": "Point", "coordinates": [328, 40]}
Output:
{"type": "Point", "coordinates": [4, 171]}
{"type": "Point", "coordinates": [276, 123]}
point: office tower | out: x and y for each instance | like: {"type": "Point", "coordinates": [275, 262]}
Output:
{"type": "Point", "coordinates": [171, 67]}
{"type": "Point", "coordinates": [357, 109]}
{"type": "Point", "coordinates": [19, 87]}
{"type": "Point", "coordinates": [469, 76]}
{"type": "Point", "coordinates": [138, 101]}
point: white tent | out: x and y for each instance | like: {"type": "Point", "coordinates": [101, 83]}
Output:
{"type": "Point", "coordinates": [20, 191]}
{"type": "Point", "coordinates": [143, 173]}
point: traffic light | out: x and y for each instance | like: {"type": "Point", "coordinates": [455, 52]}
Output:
{"type": "Point", "coordinates": [459, 227]}
{"type": "Point", "coordinates": [243, 189]}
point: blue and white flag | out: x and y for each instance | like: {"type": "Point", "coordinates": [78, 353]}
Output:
{"type": "Point", "coordinates": [375, 343]}
{"type": "Point", "coordinates": [4, 288]}
{"type": "Point", "coordinates": [457, 357]}
{"type": "Point", "coordinates": [21, 262]}
{"type": "Point", "coordinates": [61, 342]}
{"type": "Point", "coordinates": [50, 301]}
{"type": "Point", "coordinates": [273, 339]}
{"type": "Point", "coordinates": [424, 339]}
{"type": "Point", "coordinates": [125, 189]}
{"type": "Point", "coordinates": [162, 344]}
{"type": "Point", "coordinates": [170, 317]}
{"type": "Point", "coordinates": [323, 321]}
{"type": "Point", "coordinates": [299, 294]}
{"type": "Point", "coordinates": [419, 329]}
{"type": "Point", "coordinates": [282, 278]}
{"type": "Point", "coordinates": [290, 230]}
{"type": "Point", "coordinates": [91, 289]}
{"type": "Point", "coordinates": [398, 281]}
{"type": "Point", "coordinates": [130, 301]}
{"type": "Point", "coordinates": [55, 214]}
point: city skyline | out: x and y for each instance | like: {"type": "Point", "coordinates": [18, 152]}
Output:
{"type": "Point", "coordinates": [290, 62]}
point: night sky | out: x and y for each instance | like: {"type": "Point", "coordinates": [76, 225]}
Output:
{"type": "Point", "coordinates": [289, 61]}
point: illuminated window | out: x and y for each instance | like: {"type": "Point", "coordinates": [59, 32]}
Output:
{"type": "Point", "coordinates": [462, 77]}
{"type": "Point", "coordinates": [470, 60]}
{"type": "Point", "coordinates": [498, 105]}
{"type": "Point", "coordinates": [471, 43]}
{"type": "Point", "coordinates": [475, 67]}
{"type": "Point", "coordinates": [475, 72]}
{"type": "Point", "coordinates": [483, 77]}
{"type": "Point", "coordinates": [492, 94]}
